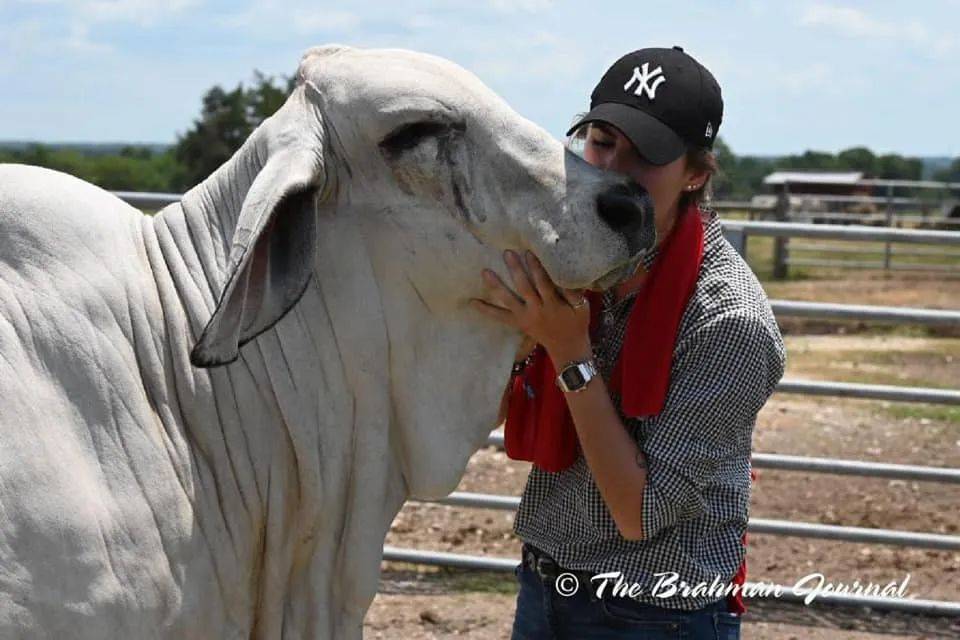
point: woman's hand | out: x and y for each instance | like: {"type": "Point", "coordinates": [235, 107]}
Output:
{"type": "Point", "coordinates": [538, 308]}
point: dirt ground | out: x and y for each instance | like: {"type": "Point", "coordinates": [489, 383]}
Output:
{"type": "Point", "coordinates": [423, 602]}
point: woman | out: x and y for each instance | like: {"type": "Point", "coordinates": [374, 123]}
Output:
{"type": "Point", "coordinates": [660, 382]}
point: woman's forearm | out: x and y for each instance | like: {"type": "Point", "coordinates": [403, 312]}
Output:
{"type": "Point", "coordinates": [615, 459]}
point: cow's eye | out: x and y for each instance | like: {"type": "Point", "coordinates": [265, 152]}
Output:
{"type": "Point", "coordinates": [409, 136]}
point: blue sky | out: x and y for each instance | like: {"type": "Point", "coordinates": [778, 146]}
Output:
{"type": "Point", "coordinates": [795, 75]}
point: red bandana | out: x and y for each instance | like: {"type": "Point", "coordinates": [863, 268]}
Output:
{"type": "Point", "coordinates": [539, 427]}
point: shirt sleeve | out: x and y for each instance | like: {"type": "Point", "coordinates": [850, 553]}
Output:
{"type": "Point", "coordinates": [722, 375]}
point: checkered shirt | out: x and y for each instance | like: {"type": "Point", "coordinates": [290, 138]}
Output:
{"type": "Point", "coordinates": [729, 356]}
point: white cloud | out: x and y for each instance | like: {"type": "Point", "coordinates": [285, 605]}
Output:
{"type": "Point", "coordinates": [422, 21]}
{"type": "Point", "coordinates": [855, 23]}
{"type": "Point", "coordinates": [32, 37]}
{"type": "Point", "coordinates": [537, 55]}
{"type": "Point", "coordinates": [301, 18]}
{"type": "Point", "coordinates": [846, 20]}
{"type": "Point", "coordinates": [78, 39]}
{"type": "Point", "coordinates": [143, 12]}
{"type": "Point", "coordinates": [520, 6]}
{"type": "Point", "coordinates": [802, 79]}
{"type": "Point", "coordinates": [53, 27]}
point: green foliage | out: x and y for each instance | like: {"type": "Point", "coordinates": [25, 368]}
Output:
{"type": "Point", "coordinates": [134, 169]}
{"type": "Point", "coordinates": [226, 120]}
{"type": "Point", "coordinates": [951, 173]}
{"type": "Point", "coordinates": [859, 158]}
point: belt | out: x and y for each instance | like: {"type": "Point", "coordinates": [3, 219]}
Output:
{"type": "Point", "coordinates": [547, 568]}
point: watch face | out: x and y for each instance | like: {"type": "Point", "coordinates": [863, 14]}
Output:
{"type": "Point", "coordinates": [572, 377]}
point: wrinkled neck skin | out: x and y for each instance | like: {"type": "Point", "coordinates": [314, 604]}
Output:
{"type": "Point", "coordinates": [297, 456]}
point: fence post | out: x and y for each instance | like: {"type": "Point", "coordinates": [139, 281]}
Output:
{"type": "Point", "coordinates": [781, 213]}
{"type": "Point", "coordinates": [886, 248]}
{"type": "Point", "coordinates": [738, 240]}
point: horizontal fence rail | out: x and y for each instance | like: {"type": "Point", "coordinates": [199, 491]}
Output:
{"type": "Point", "coordinates": [870, 391]}
{"type": "Point", "coordinates": [732, 205]}
{"type": "Point", "coordinates": [895, 251]}
{"type": "Point", "coordinates": [912, 539]}
{"type": "Point", "coordinates": [146, 199]}
{"type": "Point", "coordinates": [872, 219]}
{"type": "Point", "coordinates": [751, 590]}
{"type": "Point", "coordinates": [855, 468]}
{"type": "Point", "coordinates": [783, 462]}
{"type": "Point", "coordinates": [865, 313]}
{"type": "Point", "coordinates": [842, 232]}
{"type": "Point", "coordinates": [871, 264]}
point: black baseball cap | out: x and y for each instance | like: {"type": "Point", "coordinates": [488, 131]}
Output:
{"type": "Point", "coordinates": [663, 101]}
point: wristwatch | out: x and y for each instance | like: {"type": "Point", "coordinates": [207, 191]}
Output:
{"type": "Point", "coordinates": [575, 375]}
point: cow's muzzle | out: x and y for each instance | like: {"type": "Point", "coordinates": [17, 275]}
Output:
{"type": "Point", "coordinates": [627, 209]}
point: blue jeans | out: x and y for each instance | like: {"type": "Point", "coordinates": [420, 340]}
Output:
{"type": "Point", "coordinates": [544, 614]}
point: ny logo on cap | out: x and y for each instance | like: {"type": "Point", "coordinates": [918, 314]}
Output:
{"type": "Point", "coordinates": [642, 76]}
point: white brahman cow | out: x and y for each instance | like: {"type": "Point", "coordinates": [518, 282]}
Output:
{"type": "Point", "coordinates": [145, 491]}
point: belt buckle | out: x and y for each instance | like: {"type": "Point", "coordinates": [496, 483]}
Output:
{"type": "Point", "coordinates": [546, 567]}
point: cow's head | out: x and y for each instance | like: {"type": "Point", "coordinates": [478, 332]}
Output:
{"type": "Point", "coordinates": [407, 167]}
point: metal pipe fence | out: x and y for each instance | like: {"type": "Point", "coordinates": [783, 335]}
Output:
{"type": "Point", "coordinates": [784, 213]}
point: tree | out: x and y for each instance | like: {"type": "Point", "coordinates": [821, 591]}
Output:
{"type": "Point", "coordinates": [895, 167]}
{"type": "Point", "coordinates": [859, 159]}
{"type": "Point", "coordinates": [949, 174]}
{"type": "Point", "coordinates": [264, 98]}
{"type": "Point", "coordinates": [226, 120]}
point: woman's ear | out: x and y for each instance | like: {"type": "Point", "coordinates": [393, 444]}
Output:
{"type": "Point", "coordinates": [695, 178]}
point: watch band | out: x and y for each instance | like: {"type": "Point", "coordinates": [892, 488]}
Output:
{"type": "Point", "coordinates": [575, 376]}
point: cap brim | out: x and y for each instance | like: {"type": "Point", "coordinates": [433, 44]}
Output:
{"type": "Point", "coordinates": [655, 141]}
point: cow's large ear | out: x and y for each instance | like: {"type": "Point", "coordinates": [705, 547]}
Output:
{"type": "Point", "coordinates": [272, 255]}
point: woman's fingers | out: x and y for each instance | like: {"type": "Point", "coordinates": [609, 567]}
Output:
{"type": "Point", "coordinates": [545, 286]}
{"type": "Point", "coordinates": [493, 311]}
{"type": "Point", "coordinates": [576, 298]}
{"type": "Point", "coordinates": [500, 294]}
{"type": "Point", "coordinates": [520, 278]}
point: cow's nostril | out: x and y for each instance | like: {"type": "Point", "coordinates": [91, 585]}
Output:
{"type": "Point", "coordinates": [628, 209]}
